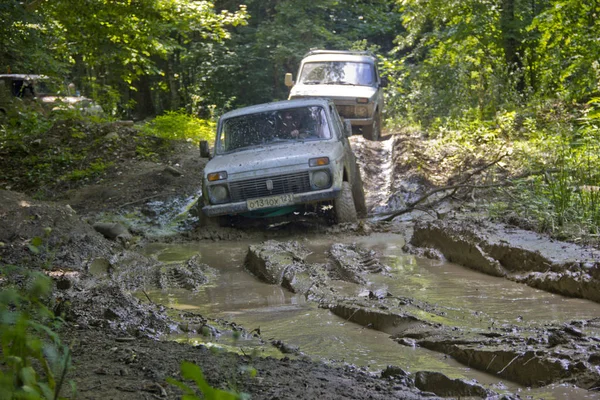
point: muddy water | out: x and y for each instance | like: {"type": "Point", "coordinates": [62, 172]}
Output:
{"type": "Point", "coordinates": [470, 299]}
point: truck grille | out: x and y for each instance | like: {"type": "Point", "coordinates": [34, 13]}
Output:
{"type": "Point", "coordinates": [282, 184]}
{"type": "Point", "coordinates": [346, 111]}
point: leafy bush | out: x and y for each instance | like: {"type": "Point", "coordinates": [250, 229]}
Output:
{"type": "Point", "coordinates": [192, 372]}
{"type": "Point", "coordinates": [177, 125]}
{"type": "Point", "coordinates": [33, 359]}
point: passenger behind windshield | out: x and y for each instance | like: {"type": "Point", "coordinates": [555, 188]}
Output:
{"type": "Point", "coordinates": [294, 124]}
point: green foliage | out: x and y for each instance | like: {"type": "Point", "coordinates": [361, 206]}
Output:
{"type": "Point", "coordinates": [177, 125]}
{"type": "Point", "coordinates": [566, 52]}
{"type": "Point", "coordinates": [34, 361]}
{"type": "Point", "coordinates": [95, 169]}
{"type": "Point", "coordinates": [192, 372]}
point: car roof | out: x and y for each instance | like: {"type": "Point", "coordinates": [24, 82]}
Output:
{"type": "Point", "coordinates": [339, 56]}
{"type": "Point", "coordinates": [278, 105]}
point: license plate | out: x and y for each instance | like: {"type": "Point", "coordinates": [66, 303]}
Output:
{"type": "Point", "coordinates": [272, 201]}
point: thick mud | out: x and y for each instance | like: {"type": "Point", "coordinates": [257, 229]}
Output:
{"type": "Point", "coordinates": [531, 356]}
{"type": "Point", "coordinates": [520, 255]}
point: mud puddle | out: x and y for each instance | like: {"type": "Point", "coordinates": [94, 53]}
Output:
{"type": "Point", "coordinates": [471, 300]}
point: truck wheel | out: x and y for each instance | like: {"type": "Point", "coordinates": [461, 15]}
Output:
{"type": "Point", "coordinates": [204, 221]}
{"type": "Point", "coordinates": [343, 205]}
{"type": "Point", "coordinates": [358, 193]}
{"type": "Point", "coordinates": [373, 132]}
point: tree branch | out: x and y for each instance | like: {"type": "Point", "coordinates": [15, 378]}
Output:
{"type": "Point", "coordinates": [454, 188]}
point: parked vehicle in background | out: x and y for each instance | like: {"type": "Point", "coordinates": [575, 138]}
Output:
{"type": "Point", "coordinates": [39, 91]}
{"type": "Point", "coordinates": [350, 78]}
{"type": "Point", "coordinates": [278, 158]}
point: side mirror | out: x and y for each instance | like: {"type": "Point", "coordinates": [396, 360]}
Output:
{"type": "Point", "coordinates": [204, 149]}
{"type": "Point", "coordinates": [289, 82]}
{"type": "Point", "coordinates": [347, 128]}
{"type": "Point", "coordinates": [384, 82]}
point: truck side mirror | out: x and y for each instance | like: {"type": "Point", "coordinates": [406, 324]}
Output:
{"type": "Point", "coordinates": [289, 82]}
{"type": "Point", "coordinates": [204, 149]}
{"type": "Point", "coordinates": [347, 128]}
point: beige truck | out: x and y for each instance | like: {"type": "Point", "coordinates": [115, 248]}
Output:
{"type": "Point", "coordinates": [349, 78]}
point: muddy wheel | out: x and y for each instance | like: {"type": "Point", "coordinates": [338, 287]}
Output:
{"type": "Point", "coordinates": [204, 221]}
{"type": "Point", "coordinates": [343, 205]}
{"type": "Point", "coordinates": [358, 193]}
{"type": "Point", "coordinates": [374, 131]}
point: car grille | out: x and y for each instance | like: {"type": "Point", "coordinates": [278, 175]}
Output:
{"type": "Point", "coordinates": [282, 184]}
{"type": "Point", "coordinates": [346, 111]}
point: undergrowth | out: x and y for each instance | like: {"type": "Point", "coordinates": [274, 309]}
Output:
{"type": "Point", "coordinates": [547, 177]}
{"type": "Point", "coordinates": [46, 154]}
{"type": "Point", "coordinates": [178, 125]}
{"type": "Point", "coordinates": [33, 362]}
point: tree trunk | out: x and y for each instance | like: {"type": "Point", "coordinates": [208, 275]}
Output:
{"type": "Point", "coordinates": [144, 107]}
{"type": "Point", "coordinates": [511, 41]}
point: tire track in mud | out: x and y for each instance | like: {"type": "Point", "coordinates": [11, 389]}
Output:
{"type": "Point", "coordinates": [375, 160]}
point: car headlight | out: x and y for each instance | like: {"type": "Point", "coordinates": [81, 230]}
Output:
{"type": "Point", "coordinates": [321, 179]}
{"type": "Point", "coordinates": [219, 194]}
{"type": "Point", "coordinates": [362, 112]}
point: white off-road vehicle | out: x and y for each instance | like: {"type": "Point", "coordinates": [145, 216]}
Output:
{"type": "Point", "coordinates": [350, 79]}
{"type": "Point", "coordinates": [278, 158]}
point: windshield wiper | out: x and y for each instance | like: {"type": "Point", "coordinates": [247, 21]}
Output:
{"type": "Point", "coordinates": [313, 82]}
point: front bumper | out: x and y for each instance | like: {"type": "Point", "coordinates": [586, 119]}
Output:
{"type": "Point", "coordinates": [360, 121]}
{"type": "Point", "coordinates": [242, 207]}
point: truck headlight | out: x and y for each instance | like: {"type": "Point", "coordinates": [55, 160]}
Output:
{"type": "Point", "coordinates": [321, 179]}
{"type": "Point", "coordinates": [219, 194]}
{"type": "Point", "coordinates": [362, 112]}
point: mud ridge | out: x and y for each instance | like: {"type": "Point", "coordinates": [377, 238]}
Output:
{"type": "Point", "coordinates": [519, 255]}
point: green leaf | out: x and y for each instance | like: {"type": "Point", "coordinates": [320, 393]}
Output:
{"type": "Point", "coordinates": [28, 376]}
{"type": "Point", "coordinates": [46, 391]}
{"type": "Point", "coordinates": [185, 388]}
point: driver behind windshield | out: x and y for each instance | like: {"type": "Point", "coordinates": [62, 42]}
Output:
{"type": "Point", "coordinates": [303, 124]}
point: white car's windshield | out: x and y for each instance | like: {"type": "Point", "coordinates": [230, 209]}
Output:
{"type": "Point", "coordinates": [337, 73]}
{"type": "Point", "coordinates": [287, 125]}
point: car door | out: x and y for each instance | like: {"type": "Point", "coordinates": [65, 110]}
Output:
{"type": "Point", "coordinates": [349, 159]}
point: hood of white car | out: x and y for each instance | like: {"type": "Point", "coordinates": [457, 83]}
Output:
{"type": "Point", "coordinates": [273, 159]}
{"type": "Point", "coordinates": [332, 91]}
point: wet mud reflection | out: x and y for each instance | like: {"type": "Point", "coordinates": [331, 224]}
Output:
{"type": "Point", "coordinates": [470, 300]}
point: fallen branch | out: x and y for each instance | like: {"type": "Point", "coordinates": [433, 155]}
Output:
{"type": "Point", "coordinates": [511, 361]}
{"type": "Point", "coordinates": [412, 205]}
{"type": "Point", "coordinates": [454, 188]}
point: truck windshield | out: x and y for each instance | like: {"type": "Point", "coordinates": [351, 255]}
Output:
{"type": "Point", "coordinates": [267, 128]}
{"type": "Point", "coordinates": [337, 73]}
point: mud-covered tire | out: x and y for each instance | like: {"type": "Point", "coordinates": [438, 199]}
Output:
{"type": "Point", "coordinates": [373, 132]}
{"type": "Point", "coordinates": [358, 194]}
{"type": "Point", "coordinates": [204, 221]}
{"type": "Point", "coordinates": [343, 205]}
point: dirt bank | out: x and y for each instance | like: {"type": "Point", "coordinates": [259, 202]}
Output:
{"type": "Point", "coordinates": [523, 256]}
